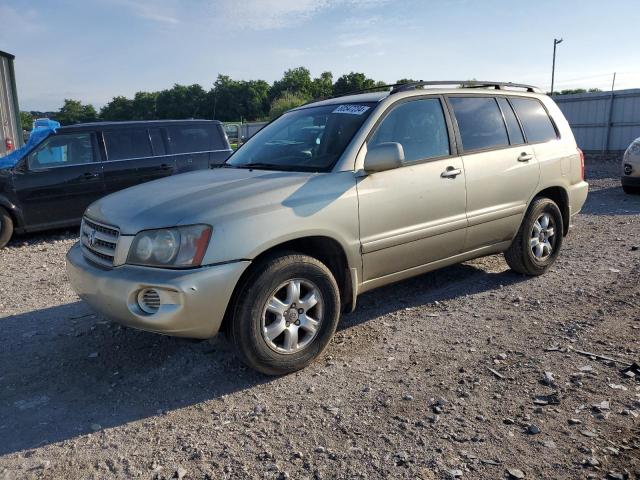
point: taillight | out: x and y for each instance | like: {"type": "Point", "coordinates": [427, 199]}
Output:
{"type": "Point", "coordinates": [581, 163]}
{"type": "Point", "coordinates": [8, 143]}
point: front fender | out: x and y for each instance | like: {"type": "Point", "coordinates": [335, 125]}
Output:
{"type": "Point", "coordinates": [14, 211]}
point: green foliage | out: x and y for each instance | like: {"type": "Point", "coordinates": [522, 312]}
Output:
{"type": "Point", "coordinates": [322, 87]}
{"type": "Point", "coordinates": [73, 111]}
{"type": "Point", "coordinates": [181, 102]}
{"type": "Point", "coordinates": [353, 82]}
{"type": "Point", "coordinates": [570, 91]}
{"type": "Point", "coordinates": [26, 121]}
{"type": "Point", "coordinates": [285, 102]}
{"type": "Point", "coordinates": [296, 81]}
{"type": "Point", "coordinates": [120, 108]}
{"type": "Point", "coordinates": [232, 100]}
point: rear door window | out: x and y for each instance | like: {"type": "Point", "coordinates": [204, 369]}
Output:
{"type": "Point", "coordinates": [157, 142]}
{"type": "Point", "coordinates": [513, 128]}
{"type": "Point", "coordinates": [123, 143]}
{"type": "Point", "coordinates": [537, 125]}
{"type": "Point", "coordinates": [419, 126]}
{"type": "Point", "coordinates": [194, 138]}
{"type": "Point", "coordinates": [480, 122]}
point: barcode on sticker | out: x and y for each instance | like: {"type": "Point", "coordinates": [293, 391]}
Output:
{"type": "Point", "coordinates": [351, 109]}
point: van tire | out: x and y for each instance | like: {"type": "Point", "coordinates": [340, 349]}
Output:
{"type": "Point", "coordinates": [270, 279]}
{"type": "Point", "coordinates": [6, 227]}
{"type": "Point", "coordinates": [631, 190]}
{"type": "Point", "coordinates": [522, 256]}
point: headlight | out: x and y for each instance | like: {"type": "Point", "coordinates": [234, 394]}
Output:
{"type": "Point", "coordinates": [179, 247]}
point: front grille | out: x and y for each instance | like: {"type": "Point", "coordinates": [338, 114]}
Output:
{"type": "Point", "coordinates": [99, 242]}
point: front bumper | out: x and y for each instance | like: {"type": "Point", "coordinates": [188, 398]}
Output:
{"type": "Point", "coordinates": [629, 181]}
{"type": "Point", "coordinates": [193, 301]}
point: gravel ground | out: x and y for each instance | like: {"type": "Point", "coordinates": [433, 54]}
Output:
{"type": "Point", "coordinates": [441, 376]}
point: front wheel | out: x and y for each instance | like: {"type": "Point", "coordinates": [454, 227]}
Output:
{"type": "Point", "coordinates": [285, 314]}
{"type": "Point", "coordinates": [6, 227]}
{"type": "Point", "coordinates": [539, 239]}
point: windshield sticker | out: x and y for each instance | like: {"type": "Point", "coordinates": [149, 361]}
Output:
{"type": "Point", "coordinates": [351, 109]}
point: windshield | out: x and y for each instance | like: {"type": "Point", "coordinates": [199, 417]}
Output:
{"type": "Point", "coordinates": [309, 140]}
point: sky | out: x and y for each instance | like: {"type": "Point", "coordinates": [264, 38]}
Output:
{"type": "Point", "coordinates": [93, 50]}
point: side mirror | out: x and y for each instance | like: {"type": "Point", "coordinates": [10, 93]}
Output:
{"type": "Point", "coordinates": [385, 156]}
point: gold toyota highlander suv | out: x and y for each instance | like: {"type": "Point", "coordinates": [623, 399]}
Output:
{"type": "Point", "coordinates": [631, 168]}
{"type": "Point", "coordinates": [331, 200]}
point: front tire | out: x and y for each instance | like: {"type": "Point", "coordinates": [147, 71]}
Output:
{"type": "Point", "coordinates": [285, 313]}
{"type": "Point", "coordinates": [6, 227]}
{"type": "Point", "coordinates": [539, 239]}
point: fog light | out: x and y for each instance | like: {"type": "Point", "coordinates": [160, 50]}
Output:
{"type": "Point", "coordinates": [628, 169]}
{"type": "Point", "coordinates": [149, 300]}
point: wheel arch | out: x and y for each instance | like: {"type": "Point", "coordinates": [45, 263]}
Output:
{"type": "Point", "coordinates": [326, 249]}
{"type": "Point", "coordinates": [560, 196]}
{"type": "Point", "coordinates": [13, 211]}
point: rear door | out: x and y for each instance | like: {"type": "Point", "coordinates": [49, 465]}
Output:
{"type": "Point", "coordinates": [197, 146]}
{"type": "Point", "coordinates": [501, 170]}
{"type": "Point", "coordinates": [130, 159]}
{"type": "Point", "coordinates": [59, 179]}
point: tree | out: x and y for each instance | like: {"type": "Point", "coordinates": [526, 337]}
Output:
{"type": "Point", "coordinates": [296, 81]}
{"type": "Point", "coordinates": [232, 100]}
{"type": "Point", "coordinates": [73, 111]}
{"type": "Point", "coordinates": [181, 102]}
{"type": "Point", "coordinates": [353, 82]}
{"type": "Point", "coordinates": [26, 121]}
{"type": "Point", "coordinates": [144, 106]}
{"type": "Point", "coordinates": [322, 87]}
{"type": "Point", "coordinates": [118, 109]}
{"type": "Point", "coordinates": [285, 102]}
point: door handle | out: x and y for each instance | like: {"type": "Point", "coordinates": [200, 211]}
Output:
{"type": "Point", "coordinates": [525, 157]}
{"type": "Point", "coordinates": [90, 175]}
{"type": "Point", "coordinates": [166, 166]}
{"type": "Point", "coordinates": [451, 172]}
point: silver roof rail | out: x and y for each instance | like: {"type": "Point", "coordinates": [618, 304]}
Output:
{"type": "Point", "coordinates": [465, 84]}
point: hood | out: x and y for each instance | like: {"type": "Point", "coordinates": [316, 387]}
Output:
{"type": "Point", "coordinates": [204, 196]}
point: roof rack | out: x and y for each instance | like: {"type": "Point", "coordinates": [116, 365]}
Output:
{"type": "Point", "coordinates": [464, 84]}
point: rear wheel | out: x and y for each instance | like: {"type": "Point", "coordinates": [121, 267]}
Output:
{"type": "Point", "coordinates": [539, 239]}
{"type": "Point", "coordinates": [631, 190]}
{"type": "Point", "coordinates": [6, 227]}
{"type": "Point", "coordinates": [285, 314]}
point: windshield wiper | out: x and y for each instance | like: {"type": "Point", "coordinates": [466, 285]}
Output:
{"type": "Point", "coordinates": [265, 166]}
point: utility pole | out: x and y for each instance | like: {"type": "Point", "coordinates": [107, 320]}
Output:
{"type": "Point", "coordinates": [556, 42]}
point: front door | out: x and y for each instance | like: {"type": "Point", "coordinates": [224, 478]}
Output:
{"type": "Point", "coordinates": [413, 215]}
{"type": "Point", "coordinates": [60, 178]}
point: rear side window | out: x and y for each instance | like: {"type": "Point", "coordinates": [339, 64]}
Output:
{"type": "Point", "coordinates": [127, 143]}
{"type": "Point", "coordinates": [194, 138]}
{"type": "Point", "coordinates": [419, 126]}
{"type": "Point", "coordinates": [62, 150]}
{"type": "Point", "coordinates": [480, 122]}
{"type": "Point", "coordinates": [535, 120]}
{"type": "Point", "coordinates": [513, 128]}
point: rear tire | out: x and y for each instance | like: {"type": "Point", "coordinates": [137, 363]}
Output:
{"type": "Point", "coordinates": [286, 312]}
{"type": "Point", "coordinates": [6, 227]}
{"type": "Point", "coordinates": [539, 239]}
{"type": "Point", "coordinates": [631, 190]}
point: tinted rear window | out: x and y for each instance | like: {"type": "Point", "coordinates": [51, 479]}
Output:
{"type": "Point", "coordinates": [535, 120]}
{"type": "Point", "coordinates": [127, 143]}
{"type": "Point", "coordinates": [194, 138]}
{"type": "Point", "coordinates": [515, 133]}
{"type": "Point", "coordinates": [480, 122]}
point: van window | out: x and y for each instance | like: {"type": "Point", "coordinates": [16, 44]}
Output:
{"type": "Point", "coordinates": [127, 143]}
{"type": "Point", "coordinates": [513, 128]}
{"type": "Point", "coordinates": [61, 150]}
{"type": "Point", "coordinates": [480, 122]}
{"type": "Point", "coordinates": [157, 142]}
{"type": "Point", "coordinates": [194, 138]}
{"type": "Point", "coordinates": [419, 126]}
{"type": "Point", "coordinates": [535, 120]}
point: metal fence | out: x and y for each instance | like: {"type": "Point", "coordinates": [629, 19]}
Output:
{"type": "Point", "coordinates": [603, 121]}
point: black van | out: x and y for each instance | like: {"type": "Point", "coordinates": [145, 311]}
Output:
{"type": "Point", "coordinates": [53, 184]}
